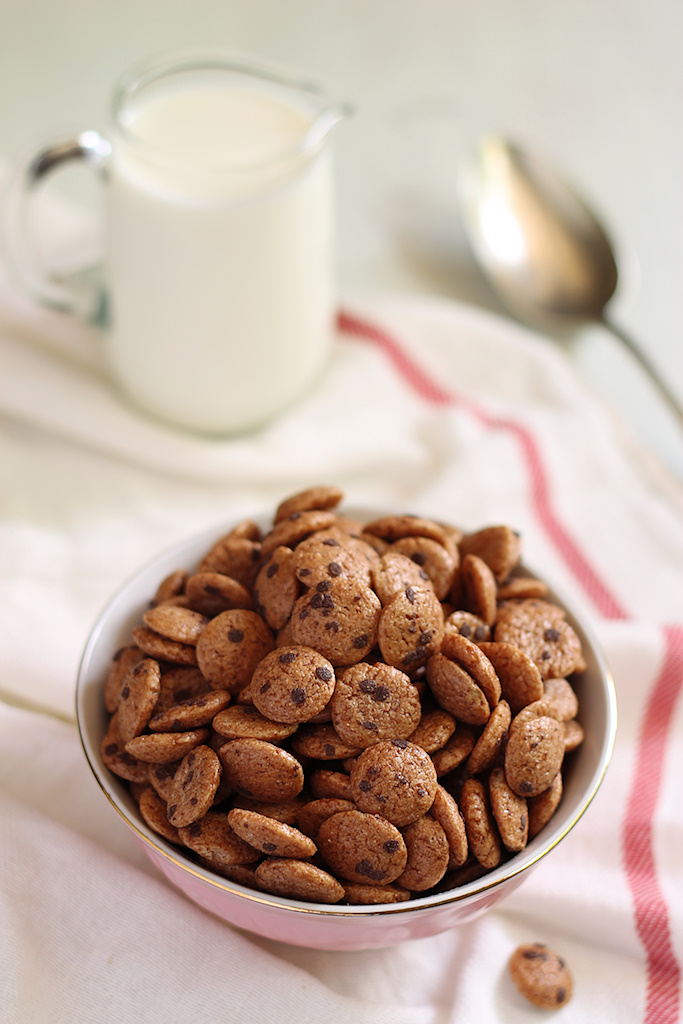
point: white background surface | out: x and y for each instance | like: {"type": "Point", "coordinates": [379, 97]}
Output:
{"type": "Point", "coordinates": [594, 87]}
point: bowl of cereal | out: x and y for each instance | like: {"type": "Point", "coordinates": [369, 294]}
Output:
{"type": "Point", "coordinates": [343, 729]}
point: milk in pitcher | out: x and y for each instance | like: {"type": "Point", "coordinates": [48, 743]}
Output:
{"type": "Point", "coordinates": [219, 251]}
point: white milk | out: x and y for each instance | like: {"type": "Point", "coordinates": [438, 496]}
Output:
{"type": "Point", "coordinates": [219, 253]}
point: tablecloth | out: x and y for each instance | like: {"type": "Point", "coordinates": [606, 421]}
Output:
{"type": "Point", "coordinates": [428, 407]}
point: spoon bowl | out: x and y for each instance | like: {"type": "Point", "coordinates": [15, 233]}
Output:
{"type": "Point", "coordinates": [541, 247]}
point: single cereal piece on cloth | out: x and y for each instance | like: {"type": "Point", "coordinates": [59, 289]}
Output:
{"type": "Point", "coordinates": [362, 847]}
{"type": "Point", "coordinates": [396, 779]}
{"type": "Point", "coordinates": [211, 593]}
{"type": "Point", "coordinates": [374, 702]}
{"type": "Point", "coordinates": [339, 618]}
{"type": "Point", "coordinates": [231, 647]}
{"type": "Point", "coordinates": [499, 546]}
{"type": "Point", "coordinates": [292, 684]}
{"type": "Point", "coordinates": [261, 770]}
{"type": "Point", "coordinates": [138, 697]}
{"type": "Point", "coordinates": [195, 784]}
{"type": "Point", "coordinates": [276, 587]}
{"type": "Point", "coordinates": [539, 629]}
{"type": "Point", "coordinates": [191, 713]}
{"type": "Point", "coordinates": [269, 835]}
{"type": "Point", "coordinates": [541, 976]}
{"type": "Point", "coordinates": [428, 854]}
{"type": "Point", "coordinates": [320, 497]}
{"type": "Point", "coordinates": [411, 628]}
{"type": "Point", "coordinates": [299, 880]}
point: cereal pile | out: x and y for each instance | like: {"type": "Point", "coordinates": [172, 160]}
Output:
{"type": "Point", "coordinates": [344, 711]}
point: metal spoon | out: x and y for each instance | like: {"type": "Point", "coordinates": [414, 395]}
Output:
{"type": "Point", "coordinates": [540, 246]}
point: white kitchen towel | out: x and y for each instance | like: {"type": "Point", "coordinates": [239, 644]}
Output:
{"type": "Point", "coordinates": [429, 407]}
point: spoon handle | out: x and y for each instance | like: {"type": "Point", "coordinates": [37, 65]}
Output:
{"type": "Point", "coordinates": [656, 378]}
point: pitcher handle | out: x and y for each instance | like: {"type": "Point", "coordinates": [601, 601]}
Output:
{"type": "Point", "coordinates": [77, 297]}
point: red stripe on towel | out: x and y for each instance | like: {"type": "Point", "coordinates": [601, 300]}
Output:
{"type": "Point", "coordinates": [650, 910]}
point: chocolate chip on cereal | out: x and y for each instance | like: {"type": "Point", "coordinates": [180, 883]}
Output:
{"type": "Point", "coordinates": [541, 976]}
{"type": "Point", "coordinates": [433, 558]}
{"type": "Point", "coordinates": [214, 841]}
{"type": "Point", "coordinates": [195, 784]}
{"type": "Point", "coordinates": [124, 660]}
{"type": "Point", "coordinates": [327, 555]}
{"type": "Point", "coordinates": [446, 811]}
{"type": "Point", "coordinates": [428, 854]}
{"type": "Point", "coordinates": [191, 713]}
{"type": "Point", "coordinates": [468, 625]}
{"type": "Point", "coordinates": [322, 743]}
{"type": "Point", "coordinates": [374, 702]}
{"type": "Point", "coordinates": [158, 647]}
{"type": "Point", "coordinates": [543, 806]}
{"type": "Point", "coordinates": [457, 750]}
{"type": "Point", "coordinates": [299, 880]}
{"type": "Point", "coordinates": [479, 587]}
{"type": "Point", "coordinates": [510, 812]}
{"type": "Point", "coordinates": [164, 747]}
{"type": "Point", "coordinates": [539, 629]}
{"type": "Point", "coordinates": [491, 743]}
{"type": "Point", "coordinates": [472, 658]}
{"type": "Point", "coordinates": [269, 835]}
{"type": "Point", "coordinates": [433, 731]}
{"type": "Point", "coordinates": [292, 684]}
{"type": "Point", "coordinates": [315, 812]}
{"type": "Point", "coordinates": [519, 676]}
{"type": "Point", "coordinates": [340, 622]}
{"type": "Point", "coordinates": [396, 779]}
{"type": "Point", "coordinates": [499, 546]}
{"type": "Point", "coordinates": [534, 754]}
{"type": "Point", "coordinates": [482, 834]}
{"type": "Point", "coordinates": [456, 691]}
{"type": "Point", "coordinates": [245, 721]}
{"type": "Point", "coordinates": [211, 593]}
{"type": "Point", "coordinates": [362, 847]}
{"type": "Point", "coordinates": [410, 628]}
{"type": "Point", "coordinates": [276, 587]}
{"type": "Point", "coordinates": [161, 778]}
{"type": "Point", "coordinates": [153, 811]}
{"type": "Point", "coordinates": [231, 647]}
{"type": "Point", "coordinates": [369, 895]}
{"type": "Point", "coordinates": [320, 497]}
{"type": "Point", "coordinates": [261, 770]}
{"type": "Point", "coordinates": [138, 696]}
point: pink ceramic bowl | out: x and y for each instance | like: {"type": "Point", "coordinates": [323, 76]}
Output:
{"type": "Point", "coordinates": [309, 924]}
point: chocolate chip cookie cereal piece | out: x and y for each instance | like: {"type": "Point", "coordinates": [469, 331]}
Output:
{"type": "Point", "coordinates": [327, 555]}
{"type": "Point", "coordinates": [298, 880]}
{"type": "Point", "coordinates": [124, 660]}
{"type": "Point", "coordinates": [261, 770]}
{"type": "Point", "coordinates": [559, 694]}
{"type": "Point", "coordinates": [433, 731]}
{"type": "Point", "coordinates": [456, 691]}
{"type": "Point", "coordinates": [339, 618]}
{"type": "Point", "coordinates": [194, 786]}
{"type": "Point", "coordinates": [163, 649]}
{"type": "Point", "coordinates": [296, 527]}
{"type": "Point", "coordinates": [330, 784]}
{"type": "Point", "coordinates": [191, 713]}
{"type": "Point", "coordinates": [410, 628]}
{"type": "Point", "coordinates": [543, 806]}
{"type": "Point", "coordinates": [396, 779]}
{"type": "Point", "coordinates": [270, 836]}
{"type": "Point", "coordinates": [153, 811]}
{"type": "Point", "coordinates": [276, 587]}
{"type": "Point", "coordinates": [369, 895]}
{"type": "Point", "coordinates": [393, 528]}
{"type": "Point", "coordinates": [322, 743]}
{"type": "Point", "coordinates": [231, 646]}
{"type": "Point", "coordinates": [213, 839]}
{"type": "Point", "coordinates": [161, 778]}
{"type": "Point", "coordinates": [521, 587]}
{"type": "Point", "coordinates": [164, 747]}
{"type": "Point", "coordinates": [482, 834]}
{"type": "Point", "coordinates": [171, 586]}
{"type": "Point", "coordinates": [179, 683]}
{"type": "Point", "coordinates": [315, 812]}
{"type": "Point", "coordinates": [457, 750]}
{"type": "Point", "coordinates": [533, 756]}
{"type": "Point", "coordinates": [117, 759]}
{"type": "Point", "coordinates": [433, 558]}
{"type": "Point", "coordinates": [180, 624]}
{"type": "Point", "coordinates": [321, 497]}
{"type": "Point", "coordinates": [479, 588]}
{"type": "Point", "coordinates": [573, 735]}
{"type": "Point", "coordinates": [138, 696]}
{"type": "Point", "coordinates": [472, 658]}
{"type": "Point", "coordinates": [394, 572]}
{"type": "Point", "coordinates": [245, 721]}
{"type": "Point", "coordinates": [468, 625]}
{"type": "Point", "coordinates": [499, 546]}
{"type": "Point", "coordinates": [211, 593]}
{"type": "Point", "coordinates": [292, 684]}
{"type": "Point", "coordinates": [541, 976]}
{"type": "Point", "coordinates": [374, 702]}
{"type": "Point", "coordinates": [491, 743]}
{"type": "Point", "coordinates": [446, 811]}
{"type": "Point", "coordinates": [234, 556]}
{"type": "Point", "coordinates": [288, 812]}
{"type": "Point", "coordinates": [539, 629]}
{"type": "Point", "coordinates": [510, 812]}
{"type": "Point", "coordinates": [519, 676]}
{"type": "Point", "coordinates": [428, 854]}
{"type": "Point", "coordinates": [362, 847]}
